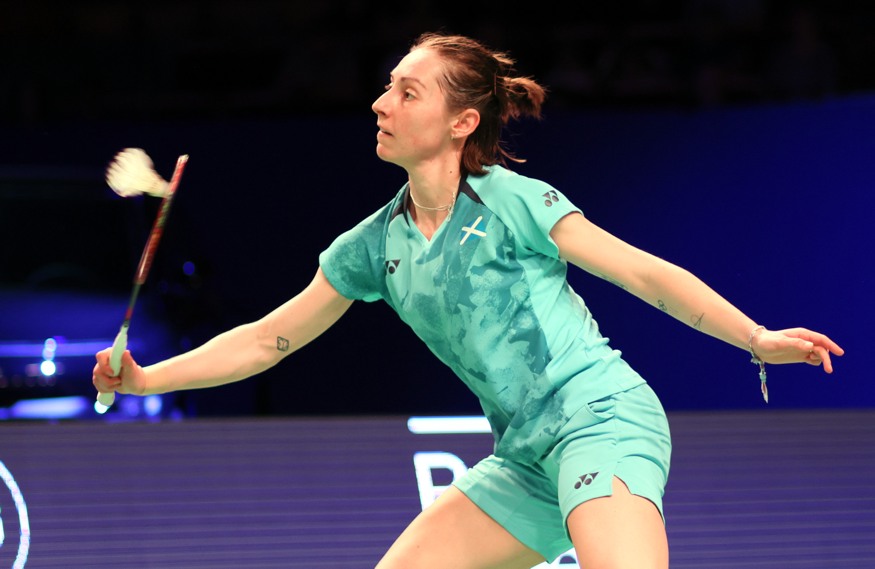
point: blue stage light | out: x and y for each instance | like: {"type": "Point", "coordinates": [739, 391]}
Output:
{"type": "Point", "coordinates": [49, 408]}
{"type": "Point", "coordinates": [48, 367]}
{"type": "Point", "coordinates": [50, 346]}
{"type": "Point", "coordinates": [152, 405]}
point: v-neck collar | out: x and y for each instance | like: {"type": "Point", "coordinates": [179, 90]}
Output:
{"type": "Point", "coordinates": [406, 204]}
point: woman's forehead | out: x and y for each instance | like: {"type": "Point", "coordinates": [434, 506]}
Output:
{"type": "Point", "coordinates": [423, 64]}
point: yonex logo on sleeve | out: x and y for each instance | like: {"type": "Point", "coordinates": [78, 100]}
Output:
{"type": "Point", "coordinates": [392, 265]}
{"type": "Point", "coordinates": [552, 197]}
{"type": "Point", "coordinates": [585, 480]}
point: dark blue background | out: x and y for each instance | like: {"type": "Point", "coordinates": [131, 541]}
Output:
{"type": "Point", "coordinates": [733, 139]}
{"type": "Point", "coordinates": [768, 204]}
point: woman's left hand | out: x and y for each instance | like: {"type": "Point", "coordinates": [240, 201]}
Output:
{"type": "Point", "coordinates": [795, 345]}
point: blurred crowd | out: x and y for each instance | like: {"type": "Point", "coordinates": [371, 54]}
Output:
{"type": "Point", "coordinates": [230, 58]}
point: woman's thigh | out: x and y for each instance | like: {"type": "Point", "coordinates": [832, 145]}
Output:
{"type": "Point", "coordinates": [453, 533]}
{"type": "Point", "coordinates": [620, 531]}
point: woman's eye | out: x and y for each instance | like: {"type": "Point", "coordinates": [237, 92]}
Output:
{"type": "Point", "coordinates": [408, 95]}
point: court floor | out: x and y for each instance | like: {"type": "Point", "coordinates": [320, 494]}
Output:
{"type": "Point", "coordinates": [754, 489]}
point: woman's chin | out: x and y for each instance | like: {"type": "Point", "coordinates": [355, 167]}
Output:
{"type": "Point", "coordinates": [385, 155]}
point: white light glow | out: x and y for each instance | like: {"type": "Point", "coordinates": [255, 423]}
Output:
{"type": "Point", "coordinates": [47, 368]}
{"type": "Point", "coordinates": [447, 425]}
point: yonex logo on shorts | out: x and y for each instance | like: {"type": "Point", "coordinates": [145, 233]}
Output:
{"type": "Point", "coordinates": [552, 197]}
{"type": "Point", "coordinates": [585, 480]}
{"type": "Point", "coordinates": [392, 265]}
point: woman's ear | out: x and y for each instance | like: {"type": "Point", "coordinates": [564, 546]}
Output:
{"type": "Point", "coordinates": [465, 123]}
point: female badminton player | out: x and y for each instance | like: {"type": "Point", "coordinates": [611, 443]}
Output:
{"type": "Point", "coordinates": [473, 257]}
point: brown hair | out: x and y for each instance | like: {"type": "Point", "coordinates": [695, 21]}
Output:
{"type": "Point", "coordinates": [476, 77]}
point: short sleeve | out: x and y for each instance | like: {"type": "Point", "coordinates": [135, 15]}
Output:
{"type": "Point", "coordinates": [528, 207]}
{"type": "Point", "coordinates": [353, 262]}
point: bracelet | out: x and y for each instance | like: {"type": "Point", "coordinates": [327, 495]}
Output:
{"type": "Point", "coordinates": [758, 360]}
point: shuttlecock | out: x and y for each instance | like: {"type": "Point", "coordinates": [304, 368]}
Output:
{"type": "Point", "coordinates": [132, 173]}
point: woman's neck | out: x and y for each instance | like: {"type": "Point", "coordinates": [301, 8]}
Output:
{"type": "Point", "coordinates": [434, 185]}
{"type": "Point", "coordinates": [433, 195]}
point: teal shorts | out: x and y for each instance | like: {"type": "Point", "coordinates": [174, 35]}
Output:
{"type": "Point", "coordinates": [624, 435]}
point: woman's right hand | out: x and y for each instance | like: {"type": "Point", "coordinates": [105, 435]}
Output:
{"type": "Point", "coordinates": [130, 380]}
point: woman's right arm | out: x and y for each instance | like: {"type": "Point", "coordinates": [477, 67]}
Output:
{"type": "Point", "coordinates": [236, 354]}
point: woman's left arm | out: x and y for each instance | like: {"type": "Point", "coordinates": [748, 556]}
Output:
{"type": "Point", "coordinates": [681, 294]}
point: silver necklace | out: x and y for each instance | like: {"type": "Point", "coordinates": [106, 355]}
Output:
{"type": "Point", "coordinates": [448, 208]}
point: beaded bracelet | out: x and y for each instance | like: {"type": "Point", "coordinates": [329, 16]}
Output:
{"type": "Point", "coordinates": [757, 360]}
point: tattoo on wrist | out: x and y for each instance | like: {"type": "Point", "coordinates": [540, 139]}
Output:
{"type": "Point", "coordinates": [696, 321]}
{"type": "Point", "coordinates": [282, 344]}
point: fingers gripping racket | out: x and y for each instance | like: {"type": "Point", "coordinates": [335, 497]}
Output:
{"type": "Point", "coordinates": [129, 174]}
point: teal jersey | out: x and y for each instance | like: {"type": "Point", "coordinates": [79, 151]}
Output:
{"type": "Point", "coordinates": [488, 295]}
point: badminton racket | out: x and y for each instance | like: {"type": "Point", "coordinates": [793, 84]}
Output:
{"type": "Point", "coordinates": [131, 173]}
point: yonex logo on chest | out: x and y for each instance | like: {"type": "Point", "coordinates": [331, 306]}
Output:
{"type": "Point", "coordinates": [392, 265]}
{"type": "Point", "coordinates": [472, 230]}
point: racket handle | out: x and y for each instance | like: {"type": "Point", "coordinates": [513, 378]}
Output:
{"type": "Point", "coordinates": [105, 400]}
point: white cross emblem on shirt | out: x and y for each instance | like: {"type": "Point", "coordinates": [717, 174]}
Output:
{"type": "Point", "coordinates": [472, 230]}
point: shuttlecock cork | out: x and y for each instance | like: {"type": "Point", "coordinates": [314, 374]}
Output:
{"type": "Point", "coordinates": [132, 173]}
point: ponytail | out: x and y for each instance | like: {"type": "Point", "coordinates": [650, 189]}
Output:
{"type": "Point", "coordinates": [523, 97]}
{"type": "Point", "coordinates": [478, 78]}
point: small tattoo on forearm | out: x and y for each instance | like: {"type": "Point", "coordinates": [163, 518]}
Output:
{"type": "Point", "coordinates": [662, 306]}
{"type": "Point", "coordinates": [282, 344]}
{"type": "Point", "coordinates": [696, 321]}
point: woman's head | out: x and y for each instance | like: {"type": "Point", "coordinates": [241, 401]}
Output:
{"type": "Point", "coordinates": [476, 77]}
{"type": "Point", "coordinates": [471, 77]}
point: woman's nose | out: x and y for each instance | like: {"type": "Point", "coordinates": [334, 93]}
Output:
{"type": "Point", "coordinates": [379, 106]}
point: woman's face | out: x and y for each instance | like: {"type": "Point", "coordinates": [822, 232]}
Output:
{"type": "Point", "coordinates": [412, 114]}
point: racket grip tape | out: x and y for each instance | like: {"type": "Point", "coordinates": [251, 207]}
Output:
{"type": "Point", "coordinates": [105, 400]}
